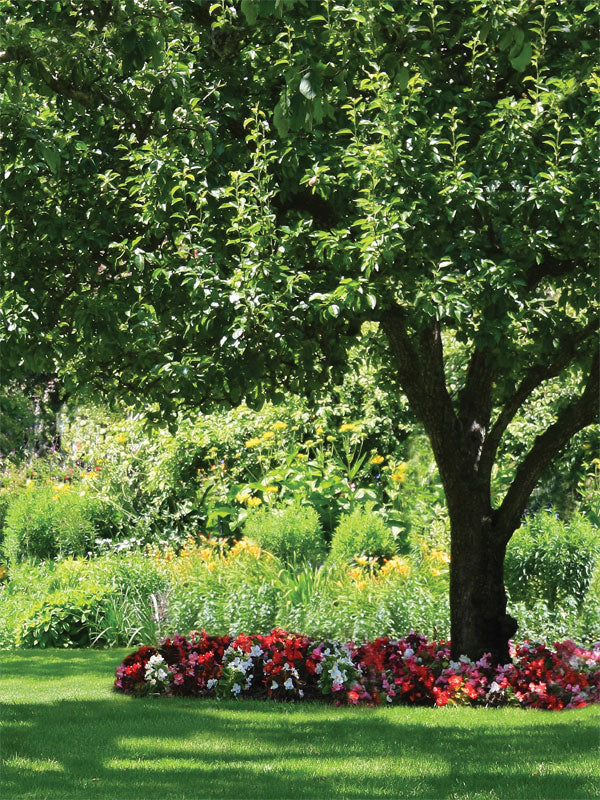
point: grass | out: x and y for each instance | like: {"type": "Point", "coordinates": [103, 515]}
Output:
{"type": "Point", "coordinates": [65, 734]}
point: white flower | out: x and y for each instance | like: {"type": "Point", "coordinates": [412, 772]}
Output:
{"type": "Point", "coordinates": [494, 687]}
{"type": "Point", "coordinates": [236, 688]}
{"type": "Point", "coordinates": [211, 682]}
{"type": "Point", "coordinates": [300, 693]}
{"type": "Point", "coordinates": [409, 652]}
{"type": "Point", "coordinates": [255, 651]}
{"type": "Point", "coordinates": [274, 685]}
{"type": "Point", "coordinates": [289, 684]}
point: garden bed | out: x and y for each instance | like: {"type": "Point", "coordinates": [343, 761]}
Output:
{"type": "Point", "coordinates": [284, 666]}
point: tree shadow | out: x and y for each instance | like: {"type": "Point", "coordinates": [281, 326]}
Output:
{"type": "Point", "coordinates": [180, 748]}
{"type": "Point", "coordinates": [53, 663]}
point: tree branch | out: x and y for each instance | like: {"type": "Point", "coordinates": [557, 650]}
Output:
{"type": "Point", "coordinates": [419, 361]}
{"type": "Point", "coordinates": [577, 415]}
{"type": "Point", "coordinates": [535, 376]}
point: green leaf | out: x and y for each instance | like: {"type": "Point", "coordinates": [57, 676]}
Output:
{"type": "Point", "coordinates": [250, 11]}
{"type": "Point", "coordinates": [521, 61]}
{"type": "Point", "coordinates": [402, 78]}
{"type": "Point", "coordinates": [52, 158]}
{"type": "Point", "coordinates": [280, 120]}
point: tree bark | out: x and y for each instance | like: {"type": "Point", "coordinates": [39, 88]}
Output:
{"type": "Point", "coordinates": [478, 620]}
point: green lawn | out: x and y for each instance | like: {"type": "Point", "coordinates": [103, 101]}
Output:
{"type": "Point", "coordinates": [65, 734]}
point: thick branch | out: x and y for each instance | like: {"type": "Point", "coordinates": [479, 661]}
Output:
{"type": "Point", "coordinates": [419, 362]}
{"type": "Point", "coordinates": [577, 415]}
{"type": "Point", "coordinates": [534, 377]}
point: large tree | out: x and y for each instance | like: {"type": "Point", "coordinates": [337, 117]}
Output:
{"type": "Point", "coordinates": [205, 201]}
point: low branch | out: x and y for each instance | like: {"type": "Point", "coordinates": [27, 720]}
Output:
{"type": "Point", "coordinates": [577, 415]}
{"type": "Point", "coordinates": [534, 377]}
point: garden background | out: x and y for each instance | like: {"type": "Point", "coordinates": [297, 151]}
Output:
{"type": "Point", "coordinates": [298, 325]}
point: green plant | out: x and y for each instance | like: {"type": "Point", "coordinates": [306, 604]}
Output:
{"type": "Point", "coordinates": [361, 533]}
{"type": "Point", "coordinates": [552, 561]}
{"type": "Point", "coordinates": [292, 533]}
{"type": "Point", "coordinates": [62, 619]}
{"type": "Point", "coordinates": [47, 521]}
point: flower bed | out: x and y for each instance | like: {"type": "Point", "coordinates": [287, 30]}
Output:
{"type": "Point", "coordinates": [285, 666]}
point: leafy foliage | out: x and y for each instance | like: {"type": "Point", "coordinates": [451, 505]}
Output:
{"type": "Point", "coordinates": [362, 533]}
{"type": "Point", "coordinates": [292, 533]}
{"type": "Point", "coordinates": [551, 561]}
{"type": "Point", "coordinates": [46, 522]}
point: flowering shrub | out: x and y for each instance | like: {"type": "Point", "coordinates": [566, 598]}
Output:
{"type": "Point", "coordinates": [285, 666]}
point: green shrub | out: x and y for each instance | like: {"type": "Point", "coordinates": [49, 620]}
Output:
{"type": "Point", "coordinates": [114, 600]}
{"type": "Point", "coordinates": [550, 561]}
{"type": "Point", "coordinates": [361, 533]}
{"type": "Point", "coordinates": [293, 533]}
{"type": "Point", "coordinates": [62, 619]}
{"type": "Point", "coordinates": [44, 522]}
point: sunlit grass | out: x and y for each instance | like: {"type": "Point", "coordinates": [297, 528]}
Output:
{"type": "Point", "coordinates": [65, 735]}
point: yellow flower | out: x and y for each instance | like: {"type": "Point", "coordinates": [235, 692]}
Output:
{"type": "Point", "coordinates": [398, 565]}
{"type": "Point", "coordinates": [377, 460]}
{"type": "Point", "coordinates": [331, 438]}
{"type": "Point", "coordinates": [347, 426]}
{"type": "Point", "coordinates": [254, 501]}
{"type": "Point", "coordinates": [267, 435]}
{"type": "Point", "coordinates": [319, 431]}
{"type": "Point", "coordinates": [399, 473]}
{"type": "Point", "coordinates": [252, 442]}
{"type": "Point", "coordinates": [302, 456]}
{"type": "Point", "coordinates": [246, 546]}
{"type": "Point", "coordinates": [279, 426]}
{"type": "Point", "coordinates": [242, 496]}
{"type": "Point", "coordinates": [440, 555]}
{"type": "Point", "coordinates": [271, 489]}
{"type": "Point", "coordinates": [121, 438]}
{"type": "Point", "coordinates": [355, 573]}
{"type": "Point", "coordinates": [362, 560]}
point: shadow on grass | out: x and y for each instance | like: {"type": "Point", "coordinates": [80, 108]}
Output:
{"type": "Point", "coordinates": [172, 748]}
{"type": "Point", "coordinates": [53, 663]}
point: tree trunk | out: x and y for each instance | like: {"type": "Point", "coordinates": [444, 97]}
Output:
{"type": "Point", "coordinates": [478, 620]}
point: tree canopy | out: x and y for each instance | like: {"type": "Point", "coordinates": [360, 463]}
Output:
{"type": "Point", "coordinates": [205, 201]}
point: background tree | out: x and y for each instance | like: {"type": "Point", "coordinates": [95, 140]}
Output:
{"type": "Point", "coordinates": [204, 202]}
